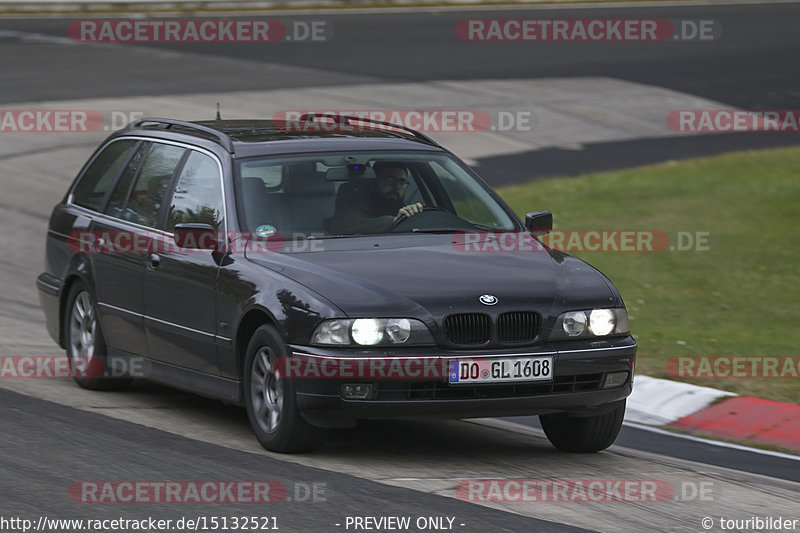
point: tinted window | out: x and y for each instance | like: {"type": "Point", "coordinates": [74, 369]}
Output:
{"type": "Point", "coordinates": [198, 194]}
{"type": "Point", "coordinates": [95, 182]}
{"type": "Point", "coordinates": [145, 199]}
{"type": "Point", "coordinates": [362, 192]}
{"type": "Point", "coordinates": [119, 197]}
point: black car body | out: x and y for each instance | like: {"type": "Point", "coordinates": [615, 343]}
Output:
{"type": "Point", "coordinates": [167, 251]}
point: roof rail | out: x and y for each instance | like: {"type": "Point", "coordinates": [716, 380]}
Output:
{"type": "Point", "coordinates": [223, 139]}
{"type": "Point", "coordinates": [346, 120]}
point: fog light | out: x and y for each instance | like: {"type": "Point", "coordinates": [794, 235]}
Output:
{"type": "Point", "coordinates": [615, 379]}
{"type": "Point", "coordinates": [356, 391]}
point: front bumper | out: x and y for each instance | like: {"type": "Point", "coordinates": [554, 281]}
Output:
{"type": "Point", "coordinates": [579, 372]}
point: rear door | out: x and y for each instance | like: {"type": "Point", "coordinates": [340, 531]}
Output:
{"type": "Point", "coordinates": [117, 267]}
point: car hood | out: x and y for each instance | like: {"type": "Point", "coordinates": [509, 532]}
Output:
{"type": "Point", "coordinates": [427, 276]}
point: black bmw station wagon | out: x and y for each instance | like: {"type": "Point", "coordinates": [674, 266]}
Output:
{"type": "Point", "coordinates": [319, 275]}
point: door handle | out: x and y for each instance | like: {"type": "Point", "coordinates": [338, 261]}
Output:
{"type": "Point", "coordinates": [155, 261]}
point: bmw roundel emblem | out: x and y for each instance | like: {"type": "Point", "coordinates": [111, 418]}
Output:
{"type": "Point", "coordinates": [488, 299]}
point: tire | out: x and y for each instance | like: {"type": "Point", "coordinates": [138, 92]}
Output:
{"type": "Point", "coordinates": [270, 400]}
{"type": "Point", "coordinates": [86, 346]}
{"type": "Point", "coordinates": [584, 434]}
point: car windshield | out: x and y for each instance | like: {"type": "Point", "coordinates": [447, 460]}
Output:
{"type": "Point", "coordinates": [324, 195]}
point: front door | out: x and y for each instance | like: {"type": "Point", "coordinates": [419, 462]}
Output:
{"type": "Point", "coordinates": [181, 283]}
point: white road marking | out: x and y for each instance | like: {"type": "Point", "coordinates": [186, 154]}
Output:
{"type": "Point", "coordinates": [721, 444]}
{"type": "Point", "coordinates": [28, 37]}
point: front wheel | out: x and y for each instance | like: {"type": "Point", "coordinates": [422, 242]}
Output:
{"type": "Point", "coordinates": [270, 398]}
{"type": "Point", "coordinates": [86, 347]}
{"type": "Point", "coordinates": [584, 434]}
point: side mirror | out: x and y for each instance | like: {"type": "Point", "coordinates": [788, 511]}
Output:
{"type": "Point", "coordinates": [539, 222]}
{"type": "Point", "coordinates": [195, 235]}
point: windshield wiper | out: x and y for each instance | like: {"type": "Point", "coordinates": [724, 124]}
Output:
{"type": "Point", "coordinates": [476, 229]}
{"type": "Point", "coordinates": [436, 230]}
{"type": "Point", "coordinates": [481, 227]}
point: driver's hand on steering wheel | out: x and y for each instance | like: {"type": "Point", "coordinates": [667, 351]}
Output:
{"type": "Point", "coordinates": [408, 211]}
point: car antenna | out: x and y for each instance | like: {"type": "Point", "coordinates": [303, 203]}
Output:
{"type": "Point", "coordinates": [218, 117]}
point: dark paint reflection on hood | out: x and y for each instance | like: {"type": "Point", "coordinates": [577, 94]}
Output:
{"type": "Point", "coordinates": [422, 274]}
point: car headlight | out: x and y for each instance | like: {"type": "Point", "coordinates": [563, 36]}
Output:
{"type": "Point", "coordinates": [372, 332]}
{"type": "Point", "coordinates": [591, 323]}
{"type": "Point", "coordinates": [398, 329]}
{"type": "Point", "coordinates": [332, 332]}
{"type": "Point", "coordinates": [574, 323]}
{"type": "Point", "coordinates": [602, 322]}
{"type": "Point", "coordinates": [367, 331]}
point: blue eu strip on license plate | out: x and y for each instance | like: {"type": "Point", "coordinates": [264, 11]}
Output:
{"type": "Point", "coordinates": [500, 370]}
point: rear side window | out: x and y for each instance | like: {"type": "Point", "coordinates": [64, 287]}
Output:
{"type": "Point", "coordinates": [140, 191]}
{"type": "Point", "coordinates": [119, 196]}
{"type": "Point", "coordinates": [101, 174]}
{"type": "Point", "coordinates": [148, 193]}
{"type": "Point", "coordinates": [198, 193]}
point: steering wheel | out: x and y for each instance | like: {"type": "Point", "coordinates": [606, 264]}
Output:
{"type": "Point", "coordinates": [426, 209]}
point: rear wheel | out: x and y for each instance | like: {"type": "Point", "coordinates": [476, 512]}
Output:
{"type": "Point", "coordinates": [270, 398]}
{"type": "Point", "coordinates": [86, 347]}
{"type": "Point", "coordinates": [584, 434]}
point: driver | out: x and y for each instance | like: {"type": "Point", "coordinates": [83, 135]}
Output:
{"type": "Point", "coordinates": [374, 206]}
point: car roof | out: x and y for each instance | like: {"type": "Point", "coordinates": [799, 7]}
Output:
{"type": "Point", "coordinates": [254, 137]}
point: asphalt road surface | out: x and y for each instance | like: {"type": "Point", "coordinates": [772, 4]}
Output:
{"type": "Point", "coordinates": [55, 435]}
{"type": "Point", "coordinates": [752, 65]}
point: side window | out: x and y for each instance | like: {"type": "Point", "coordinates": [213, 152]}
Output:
{"type": "Point", "coordinates": [119, 196]}
{"type": "Point", "coordinates": [100, 175]}
{"type": "Point", "coordinates": [198, 193]}
{"type": "Point", "coordinates": [147, 194]}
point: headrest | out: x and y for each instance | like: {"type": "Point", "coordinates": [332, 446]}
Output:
{"type": "Point", "coordinates": [253, 186]}
{"type": "Point", "coordinates": [303, 178]}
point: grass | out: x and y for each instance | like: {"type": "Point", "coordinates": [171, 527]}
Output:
{"type": "Point", "coordinates": [739, 297]}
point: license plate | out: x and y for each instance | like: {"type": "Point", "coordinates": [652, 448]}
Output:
{"type": "Point", "coordinates": [500, 370]}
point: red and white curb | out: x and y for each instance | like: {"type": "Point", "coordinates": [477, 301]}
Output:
{"type": "Point", "coordinates": [662, 402]}
{"type": "Point", "coordinates": [659, 402]}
